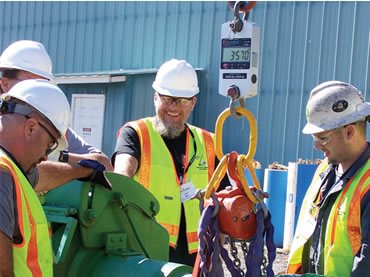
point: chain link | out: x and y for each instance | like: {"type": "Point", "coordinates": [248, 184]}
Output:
{"type": "Point", "coordinates": [245, 247]}
{"type": "Point", "coordinates": [234, 253]}
{"type": "Point", "coordinates": [264, 265]}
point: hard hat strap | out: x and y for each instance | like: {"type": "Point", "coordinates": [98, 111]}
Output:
{"type": "Point", "coordinates": [14, 107]}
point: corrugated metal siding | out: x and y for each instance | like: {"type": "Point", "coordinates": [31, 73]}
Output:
{"type": "Point", "coordinates": [302, 44]}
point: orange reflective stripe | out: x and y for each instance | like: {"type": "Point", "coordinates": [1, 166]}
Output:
{"type": "Point", "coordinates": [210, 150]}
{"type": "Point", "coordinates": [192, 237]}
{"type": "Point", "coordinates": [143, 133]}
{"type": "Point", "coordinates": [353, 224]}
{"type": "Point", "coordinates": [172, 230]}
{"type": "Point", "coordinates": [294, 269]}
{"type": "Point", "coordinates": [32, 253]}
{"type": "Point", "coordinates": [337, 207]}
{"type": "Point", "coordinates": [193, 251]}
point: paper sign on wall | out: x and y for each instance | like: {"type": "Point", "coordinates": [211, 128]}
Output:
{"type": "Point", "coordinates": [88, 117]}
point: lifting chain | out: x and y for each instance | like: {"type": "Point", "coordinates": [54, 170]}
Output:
{"type": "Point", "coordinates": [234, 253]}
{"type": "Point", "coordinates": [264, 265]}
{"type": "Point", "coordinates": [245, 247]}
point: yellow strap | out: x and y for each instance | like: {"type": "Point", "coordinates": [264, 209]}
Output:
{"type": "Point", "coordinates": [217, 177]}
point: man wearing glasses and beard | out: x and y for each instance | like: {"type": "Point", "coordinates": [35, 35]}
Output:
{"type": "Point", "coordinates": [170, 157]}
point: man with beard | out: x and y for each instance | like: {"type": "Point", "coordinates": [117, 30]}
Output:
{"type": "Point", "coordinates": [169, 157]}
{"type": "Point", "coordinates": [333, 229]}
{"type": "Point", "coordinates": [34, 116]}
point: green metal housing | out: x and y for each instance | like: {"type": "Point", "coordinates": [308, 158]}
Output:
{"type": "Point", "coordinates": [97, 232]}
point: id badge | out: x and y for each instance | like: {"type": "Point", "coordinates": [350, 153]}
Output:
{"type": "Point", "coordinates": [309, 227]}
{"type": "Point", "coordinates": [187, 191]}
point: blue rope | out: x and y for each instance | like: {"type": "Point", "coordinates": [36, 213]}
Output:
{"type": "Point", "coordinates": [210, 246]}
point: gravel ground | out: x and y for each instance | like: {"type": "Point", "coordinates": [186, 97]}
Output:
{"type": "Point", "coordinates": [279, 266]}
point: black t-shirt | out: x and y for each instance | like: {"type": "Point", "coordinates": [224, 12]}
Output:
{"type": "Point", "coordinates": [128, 142]}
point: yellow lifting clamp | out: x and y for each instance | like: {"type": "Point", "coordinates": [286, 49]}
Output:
{"type": "Point", "coordinates": [242, 162]}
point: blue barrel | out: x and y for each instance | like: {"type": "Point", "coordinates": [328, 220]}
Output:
{"type": "Point", "coordinates": [305, 174]}
{"type": "Point", "coordinates": [275, 184]}
{"type": "Point", "coordinates": [259, 175]}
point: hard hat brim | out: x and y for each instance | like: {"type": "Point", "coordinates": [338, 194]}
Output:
{"type": "Point", "coordinates": [36, 72]}
{"type": "Point", "coordinates": [174, 92]}
{"type": "Point", "coordinates": [312, 129]}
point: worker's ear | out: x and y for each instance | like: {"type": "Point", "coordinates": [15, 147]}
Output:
{"type": "Point", "coordinates": [155, 97]}
{"type": "Point", "coordinates": [5, 84]}
{"type": "Point", "coordinates": [349, 131]}
{"type": "Point", "coordinates": [193, 102]}
{"type": "Point", "coordinates": [29, 126]}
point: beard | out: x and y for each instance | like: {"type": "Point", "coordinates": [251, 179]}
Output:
{"type": "Point", "coordinates": [167, 130]}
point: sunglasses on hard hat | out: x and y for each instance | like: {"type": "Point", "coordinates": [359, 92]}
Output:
{"type": "Point", "coordinates": [180, 101]}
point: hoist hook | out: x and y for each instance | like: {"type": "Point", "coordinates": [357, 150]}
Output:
{"type": "Point", "coordinates": [240, 6]}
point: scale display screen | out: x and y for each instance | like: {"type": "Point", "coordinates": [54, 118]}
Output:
{"type": "Point", "coordinates": [236, 53]}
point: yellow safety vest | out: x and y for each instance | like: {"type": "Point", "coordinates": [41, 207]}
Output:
{"type": "Point", "coordinates": [343, 231]}
{"type": "Point", "coordinates": [33, 257]}
{"type": "Point", "coordinates": [158, 174]}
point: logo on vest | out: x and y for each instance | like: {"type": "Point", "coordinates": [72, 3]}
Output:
{"type": "Point", "coordinates": [201, 163]}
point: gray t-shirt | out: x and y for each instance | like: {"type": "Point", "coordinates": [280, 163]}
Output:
{"type": "Point", "coordinates": [7, 206]}
{"type": "Point", "coordinates": [8, 210]}
{"type": "Point", "coordinates": [78, 145]}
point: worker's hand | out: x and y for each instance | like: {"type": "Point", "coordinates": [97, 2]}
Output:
{"type": "Point", "coordinates": [97, 175]}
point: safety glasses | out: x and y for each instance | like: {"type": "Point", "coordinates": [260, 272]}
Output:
{"type": "Point", "coordinates": [180, 101]}
{"type": "Point", "coordinates": [323, 139]}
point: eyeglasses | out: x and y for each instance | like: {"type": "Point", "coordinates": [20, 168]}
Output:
{"type": "Point", "coordinates": [180, 101]}
{"type": "Point", "coordinates": [323, 140]}
{"type": "Point", "coordinates": [53, 144]}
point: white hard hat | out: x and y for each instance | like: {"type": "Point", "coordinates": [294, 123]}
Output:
{"type": "Point", "coordinates": [334, 104]}
{"type": "Point", "coordinates": [176, 78]}
{"type": "Point", "coordinates": [29, 56]}
{"type": "Point", "coordinates": [48, 99]}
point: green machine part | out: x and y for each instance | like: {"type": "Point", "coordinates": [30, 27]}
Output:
{"type": "Point", "coordinates": [96, 232]}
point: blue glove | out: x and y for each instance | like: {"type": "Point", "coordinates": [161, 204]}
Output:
{"type": "Point", "coordinates": [98, 173]}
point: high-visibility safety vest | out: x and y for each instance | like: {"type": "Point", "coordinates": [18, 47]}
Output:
{"type": "Point", "coordinates": [33, 257]}
{"type": "Point", "coordinates": [158, 174]}
{"type": "Point", "coordinates": [343, 232]}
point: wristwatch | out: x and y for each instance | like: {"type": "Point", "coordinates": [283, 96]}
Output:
{"type": "Point", "coordinates": [63, 156]}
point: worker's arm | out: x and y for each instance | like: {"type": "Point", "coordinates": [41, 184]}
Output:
{"type": "Point", "coordinates": [100, 157]}
{"type": "Point", "coordinates": [54, 174]}
{"type": "Point", "coordinates": [6, 256]}
{"type": "Point", "coordinates": [126, 158]}
{"type": "Point", "coordinates": [125, 164]}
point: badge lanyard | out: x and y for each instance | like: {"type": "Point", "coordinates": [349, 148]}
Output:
{"type": "Point", "coordinates": [192, 158]}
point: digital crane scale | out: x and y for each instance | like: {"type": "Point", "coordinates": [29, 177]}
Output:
{"type": "Point", "coordinates": [239, 60]}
